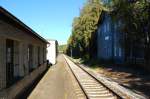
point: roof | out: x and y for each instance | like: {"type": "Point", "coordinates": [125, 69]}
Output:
{"type": "Point", "coordinates": [15, 21]}
{"type": "Point", "coordinates": [105, 10]}
{"type": "Point", "coordinates": [51, 40]}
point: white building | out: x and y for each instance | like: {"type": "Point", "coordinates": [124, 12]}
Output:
{"type": "Point", "coordinates": [52, 51]}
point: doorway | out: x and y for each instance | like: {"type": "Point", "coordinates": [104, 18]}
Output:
{"type": "Point", "coordinates": [9, 62]}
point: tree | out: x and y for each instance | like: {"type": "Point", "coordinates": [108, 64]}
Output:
{"type": "Point", "coordinates": [135, 18]}
{"type": "Point", "coordinates": [84, 27]}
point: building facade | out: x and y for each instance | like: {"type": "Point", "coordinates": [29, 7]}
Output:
{"type": "Point", "coordinates": [109, 40]}
{"type": "Point", "coordinates": [113, 44]}
{"type": "Point", "coordinates": [52, 49]}
{"type": "Point", "coordinates": [21, 50]}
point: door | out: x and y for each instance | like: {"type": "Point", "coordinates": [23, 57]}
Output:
{"type": "Point", "coordinates": [30, 58]}
{"type": "Point", "coordinates": [9, 62]}
{"type": "Point", "coordinates": [39, 56]}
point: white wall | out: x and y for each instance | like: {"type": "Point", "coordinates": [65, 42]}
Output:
{"type": "Point", "coordinates": [51, 54]}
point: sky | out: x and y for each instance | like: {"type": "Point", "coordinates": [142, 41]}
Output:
{"type": "Point", "coordinates": [51, 19]}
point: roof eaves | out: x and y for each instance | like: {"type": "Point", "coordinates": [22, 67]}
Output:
{"type": "Point", "coordinates": [21, 23]}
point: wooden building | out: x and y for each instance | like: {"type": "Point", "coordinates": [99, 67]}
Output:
{"type": "Point", "coordinates": [112, 45]}
{"type": "Point", "coordinates": [22, 54]}
{"type": "Point", "coordinates": [109, 40]}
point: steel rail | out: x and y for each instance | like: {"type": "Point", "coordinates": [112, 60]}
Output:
{"type": "Point", "coordinates": [110, 90]}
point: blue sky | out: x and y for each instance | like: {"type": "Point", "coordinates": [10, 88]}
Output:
{"type": "Point", "coordinates": [52, 19]}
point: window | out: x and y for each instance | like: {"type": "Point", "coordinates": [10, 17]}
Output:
{"type": "Point", "coordinates": [106, 38]}
{"type": "Point", "coordinates": [115, 50]}
{"type": "Point", "coordinates": [108, 26]}
{"type": "Point", "coordinates": [120, 52]}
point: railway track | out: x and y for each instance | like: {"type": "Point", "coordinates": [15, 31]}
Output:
{"type": "Point", "coordinates": [92, 88]}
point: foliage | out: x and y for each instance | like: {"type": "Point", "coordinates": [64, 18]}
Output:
{"type": "Point", "coordinates": [83, 29]}
{"type": "Point", "coordinates": [62, 48]}
{"type": "Point", "coordinates": [134, 15]}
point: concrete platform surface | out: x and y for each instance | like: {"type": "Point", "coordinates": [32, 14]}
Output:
{"type": "Point", "coordinates": [57, 83]}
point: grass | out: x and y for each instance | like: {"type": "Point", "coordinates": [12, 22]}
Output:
{"type": "Point", "coordinates": [93, 63]}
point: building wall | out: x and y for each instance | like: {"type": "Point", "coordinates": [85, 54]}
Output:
{"type": "Point", "coordinates": [18, 88]}
{"type": "Point", "coordinates": [2, 63]}
{"type": "Point", "coordinates": [52, 51]}
{"type": "Point", "coordinates": [21, 42]}
{"type": "Point", "coordinates": [112, 45]}
{"type": "Point", "coordinates": [119, 48]}
{"type": "Point", "coordinates": [105, 40]}
{"type": "Point", "coordinates": [110, 40]}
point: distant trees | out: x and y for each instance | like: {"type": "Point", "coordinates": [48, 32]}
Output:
{"type": "Point", "coordinates": [83, 30]}
{"type": "Point", "coordinates": [62, 48]}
